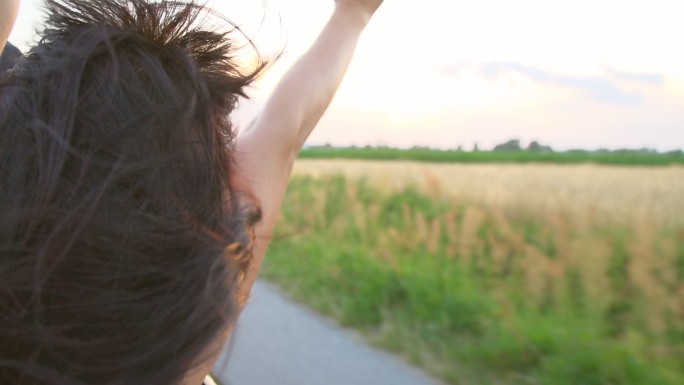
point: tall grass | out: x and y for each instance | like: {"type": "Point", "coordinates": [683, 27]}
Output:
{"type": "Point", "coordinates": [488, 295]}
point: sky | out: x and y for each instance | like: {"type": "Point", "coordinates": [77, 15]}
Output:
{"type": "Point", "coordinates": [447, 73]}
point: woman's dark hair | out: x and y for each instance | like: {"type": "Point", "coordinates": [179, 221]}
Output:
{"type": "Point", "coordinates": [9, 57]}
{"type": "Point", "coordinates": [123, 232]}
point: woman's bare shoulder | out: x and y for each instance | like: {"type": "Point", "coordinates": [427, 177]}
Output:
{"type": "Point", "coordinates": [8, 13]}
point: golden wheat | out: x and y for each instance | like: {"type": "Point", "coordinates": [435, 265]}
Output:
{"type": "Point", "coordinates": [574, 204]}
{"type": "Point", "coordinates": [641, 194]}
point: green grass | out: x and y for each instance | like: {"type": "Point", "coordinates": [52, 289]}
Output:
{"type": "Point", "coordinates": [493, 300]}
{"type": "Point", "coordinates": [631, 158]}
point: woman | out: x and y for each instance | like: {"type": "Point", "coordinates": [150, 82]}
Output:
{"type": "Point", "coordinates": [132, 222]}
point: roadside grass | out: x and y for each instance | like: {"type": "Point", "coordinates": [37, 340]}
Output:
{"type": "Point", "coordinates": [626, 158]}
{"type": "Point", "coordinates": [487, 295]}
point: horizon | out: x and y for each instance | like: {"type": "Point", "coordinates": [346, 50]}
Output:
{"type": "Point", "coordinates": [523, 148]}
{"type": "Point", "coordinates": [444, 74]}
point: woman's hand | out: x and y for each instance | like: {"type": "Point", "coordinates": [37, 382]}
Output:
{"type": "Point", "coordinates": [8, 13]}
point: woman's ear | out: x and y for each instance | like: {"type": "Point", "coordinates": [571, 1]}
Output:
{"type": "Point", "coordinates": [8, 14]}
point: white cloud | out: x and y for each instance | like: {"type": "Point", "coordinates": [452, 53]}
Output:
{"type": "Point", "coordinates": [600, 89]}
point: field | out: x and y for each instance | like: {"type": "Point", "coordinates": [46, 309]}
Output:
{"type": "Point", "coordinates": [625, 157]}
{"type": "Point", "coordinates": [495, 274]}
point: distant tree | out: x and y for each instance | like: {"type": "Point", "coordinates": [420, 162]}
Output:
{"type": "Point", "coordinates": [511, 145]}
{"type": "Point", "coordinates": [624, 151]}
{"type": "Point", "coordinates": [459, 148]}
{"type": "Point", "coordinates": [476, 148]}
{"type": "Point", "coordinates": [536, 147]}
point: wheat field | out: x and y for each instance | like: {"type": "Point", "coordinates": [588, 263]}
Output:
{"type": "Point", "coordinates": [501, 274]}
{"type": "Point", "coordinates": [616, 193]}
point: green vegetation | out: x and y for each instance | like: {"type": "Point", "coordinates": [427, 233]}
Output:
{"type": "Point", "coordinates": [632, 158]}
{"type": "Point", "coordinates": [485, 295]}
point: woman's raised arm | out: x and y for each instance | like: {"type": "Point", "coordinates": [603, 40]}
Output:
{"type": "Point", "coordinates": [267, 150]}
{"type": "Point", "coordinates": [8, 13]}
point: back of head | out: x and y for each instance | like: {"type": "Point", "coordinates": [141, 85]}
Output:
{"type": "Point", "coordinates": [122, 238]}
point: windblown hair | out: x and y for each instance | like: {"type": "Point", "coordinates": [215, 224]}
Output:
{"type": "Point", "coordinates": [123, 232]}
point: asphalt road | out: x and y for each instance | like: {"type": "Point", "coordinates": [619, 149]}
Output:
{"type": "Point", "coordinates": [279, 342]}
